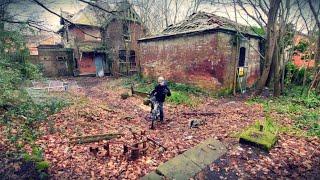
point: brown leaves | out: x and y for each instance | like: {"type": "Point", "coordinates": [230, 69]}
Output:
{"type": "Point", "coordinates": [104, 112]}
{"type": "Point", "coordinates": [292, 158]}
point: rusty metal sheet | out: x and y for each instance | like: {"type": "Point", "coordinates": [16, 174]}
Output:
{"type": "Point", "coordinates": [86, 64]}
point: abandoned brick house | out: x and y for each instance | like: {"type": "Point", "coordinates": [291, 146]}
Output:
{"type": "Point", "coordinates": [47, 52]}
{"type": "Point", "coordinates": [103, 42]}
{"type": "Point", "coordinates": [202, 50]}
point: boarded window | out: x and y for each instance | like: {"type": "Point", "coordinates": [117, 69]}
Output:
{"type": "Point", "coordinates": [242, 57]}
{"type": "Point", "coordinates": [132, 59]}
{"type": "Point", "coordinates": [122, 55]}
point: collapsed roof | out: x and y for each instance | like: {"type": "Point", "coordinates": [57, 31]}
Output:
{"type": "Point", "coordinates": [202, 21]}
{"type": "Point", "coordinates": [102, 14]}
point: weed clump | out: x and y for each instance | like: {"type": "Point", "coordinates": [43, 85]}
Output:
{"type": "Point", "coordinates": [301, 107]}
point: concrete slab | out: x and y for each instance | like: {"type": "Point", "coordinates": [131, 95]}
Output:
{"type": "Point", "coordinates": [152, 176]}
{"type": "Point", "coordinates": [206, 152]}
{"type": "Point", "coordinates": [191, 162]}
{"type": "Point", "coordinates": [178, 168]}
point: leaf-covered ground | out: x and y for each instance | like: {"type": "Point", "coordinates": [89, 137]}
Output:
{"type": "Point", "coordinates": [98, 109]}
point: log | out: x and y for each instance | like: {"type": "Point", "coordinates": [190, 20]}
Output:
{"type": "Point", "coordinates": [156, 143]}
{"type": "Point", "coordinates": [93, 138]}
{"type": "Point", "coordinates": [200, 113]}
{"type": "Point", "coordinates": [141, 94]}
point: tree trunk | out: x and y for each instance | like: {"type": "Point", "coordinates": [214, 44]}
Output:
{"type": "Point", "coordinates": [316, 80]}
{"type": "Point", "coordinates": [276, 80]}
{"type": "Point", "coordinates": [271, 73]}
{"type": "Point", "coordinates": [270, 43]}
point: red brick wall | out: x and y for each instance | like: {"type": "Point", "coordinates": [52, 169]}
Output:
{"type": "Point", "coordinates": [190, 59]}
{"type": "Point", "coordinates": [80, 36]}
{"type": "Point", "coordinates": [114, 34]}
{"type": "Point", "coordinates": [253, 63]}
{"type": "Point", "coordinates": [115, 38]}
{"type": "Point", "coordinates": [205, 60]}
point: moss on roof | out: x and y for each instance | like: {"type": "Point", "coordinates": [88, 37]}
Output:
{"type": "Point", "coordinates": [203, 21]}
{"type": "Point", "coordinates": [93, 16]}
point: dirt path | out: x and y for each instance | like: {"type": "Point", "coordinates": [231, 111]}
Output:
{"type": "Point", "coordinates": [101, 110]}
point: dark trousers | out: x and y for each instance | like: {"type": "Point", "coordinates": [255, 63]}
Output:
{"type": "Point", "coordinates": [160, 109]}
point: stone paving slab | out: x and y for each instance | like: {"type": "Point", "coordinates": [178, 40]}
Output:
{"type": "Point", "coordinates": [179, 168]}
{"type": "Point", "coordinates": [206, 152]}
{"type": "Point", "coordinates": [191, 162]}
{"type": "Point", "coordinates": [152, 176]}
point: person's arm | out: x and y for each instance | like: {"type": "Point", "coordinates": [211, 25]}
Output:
{"type": "Point", "coordinates": [154, 91]}
{"type": "Point", "coordinates": [169, 92]}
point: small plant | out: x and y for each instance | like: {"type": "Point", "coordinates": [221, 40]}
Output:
{"type": "Point", "coordinates": [42, 165]}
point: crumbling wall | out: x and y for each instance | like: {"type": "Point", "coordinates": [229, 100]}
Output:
{"type": "Point", "coordinates": [56, 62]}
{"type": "Point", "coordinates": [206, 60]}
{"type": "Point", "coordinates": [253, 62]}
{"type": "Point", "coordinates": [194, 59]}
{"type": "Point", "coordinates": [116, 42]}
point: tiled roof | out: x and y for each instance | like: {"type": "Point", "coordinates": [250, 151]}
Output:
{"type": "Point", "coordinates": [202, 21]}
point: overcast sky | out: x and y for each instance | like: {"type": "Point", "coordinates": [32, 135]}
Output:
{"type": "Point", "coordinates": [27, 9]}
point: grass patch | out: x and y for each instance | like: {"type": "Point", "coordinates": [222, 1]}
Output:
{"type": "Point", "coordinates": [264, 139]}
{"type": "Point", "coordinates": [179, 98]}
{"type": "Point", "coordinates": [303, 109]}
{"type": "Point", "coordinates": [180, 93]}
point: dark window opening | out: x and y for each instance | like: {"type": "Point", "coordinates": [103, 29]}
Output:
{"type": "Point", "coordinates": [122, 55]}
{"type": "Point", "coordinates": [242, 57]}
{"type": "Point", "coordinates": [61, 58]}
{"type": "Point", "coordinates": [126, 31]}
{"type": "Point", "coordinates": [132, 59]}
{"type": "Point", "coordinates": [75, 63]}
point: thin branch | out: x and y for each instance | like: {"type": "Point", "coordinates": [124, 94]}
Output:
{"type": "Point", "coordinates": [30, 23]}
{"type": "Point", "coordinates": [316, 16]}
{"type": "Point", "coordinates": [99, 7]}
{"type": "Point", "coordinates": [251, 16]}
{"type": "Point", "coordinates": [241, 34]}
{"type": "Point", "coordinates": [52, 12]}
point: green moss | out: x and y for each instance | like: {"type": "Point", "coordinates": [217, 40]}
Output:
{"type": "Point", "coordinates": [42, 165]}
{"type": "Point", "coordinates": [264, 139]}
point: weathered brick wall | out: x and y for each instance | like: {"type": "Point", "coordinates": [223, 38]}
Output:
{"type": "Point", "coordinates": [89, 36]}
{"type": "Point", "coordinates": [114, 36]}
{"type": "Point", "coordinates": [205, 60]}
{"type": "Point", "coordinates": [55, 62]}
{"type": "Point", "coordinates": [253, 62]}
{"type": "Point", "coordinates": [191, 59]}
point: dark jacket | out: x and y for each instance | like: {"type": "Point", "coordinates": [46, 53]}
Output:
{"type": "Point", "coordinates": [160, 92]}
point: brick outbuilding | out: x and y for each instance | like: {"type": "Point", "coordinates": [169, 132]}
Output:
{"type": "Point", "coordinates": [103, 38]}
{"type": "Point", "coordinates": [204, 50]}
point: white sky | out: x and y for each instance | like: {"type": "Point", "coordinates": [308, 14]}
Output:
{"type": "Point", "coordinates": [26, 9]}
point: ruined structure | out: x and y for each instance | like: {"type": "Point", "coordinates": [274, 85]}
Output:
{"type": "Point", "coordinates": [204, 50]}
{"type": "Point", "coordinates": [103, 38]}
